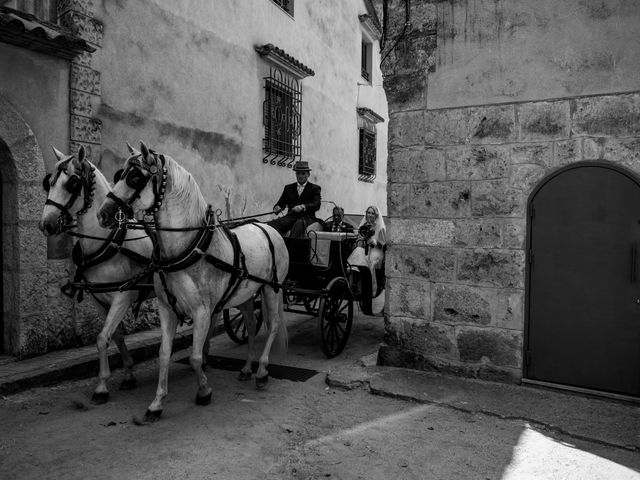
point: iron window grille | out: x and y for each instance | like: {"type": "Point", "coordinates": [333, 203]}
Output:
{"type": "Point", "coordinates": [286, 5]}
{"type": "Point", "coordinates": [42, 9]}
{"type": "Point", "coordinates": [365, 60]}
{"type": "Point", "coordinates": [281, 117]}
{"type": "Point", "coordinates": [367, 156]}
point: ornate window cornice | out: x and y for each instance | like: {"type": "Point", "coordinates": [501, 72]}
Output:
{"type": "Point", "coordinates": [26, 30]}
{"type": "Point", "coordinates": [284, 61]}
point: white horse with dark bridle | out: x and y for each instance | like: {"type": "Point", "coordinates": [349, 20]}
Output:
{"type": "Point", "coordinates": [201, 266]}
{"type": "Point", "coordinates": [104, 262]}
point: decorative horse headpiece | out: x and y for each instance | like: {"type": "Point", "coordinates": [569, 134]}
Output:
{"type": "Point", "coordinates": [81, 176]}
{"type": "Point", "coordinates": [141, 167]}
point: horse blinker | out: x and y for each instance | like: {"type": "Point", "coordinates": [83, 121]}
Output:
{"type": "Point", "coordinates": [46, 182]}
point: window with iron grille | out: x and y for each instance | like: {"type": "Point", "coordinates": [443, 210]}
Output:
{"type": "Point", "coordinates": [286, 5]}
{"type": "Point", "coordinates": [367, 156]}
{"type": "Point", "coordinates": [42, 9]}
{"type": "Point", "coordinates": [281, 119]}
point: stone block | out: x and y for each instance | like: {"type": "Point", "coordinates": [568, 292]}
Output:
{"type": "Point", "coordinates": [543, 121]}
{"type": "Point", "coordinates": [592, 148]}
{"type": "Point", "coordinates": [567, 152]}
{"type": "Point", "coordinates": [514, 233]}
{"type": "Point", "coordinates": [428, 263]}
{"type": "Point", "coordinates": [426, 232]}
{"type": "Point", "coordinates": [481, 162]}
{"type": "Point", "coordinates": [416, 165]}
{"type": "Point", "coordinates": [500, 268]}
{"type": "Point", "coordinates": [31, 200]}
{"type": "Point", "coordinates": [625, 151]}
{"type": "Point", "coordinates": [83, 26]}
{"type": "Point", "coordinates": [489, 346]}
{"type": "Point", "coordinates": [88, 322]}
{"type": "Point", "coordinates": [84, 79]}
{"type": "Point", "coordinates": [32, 336]}
{"type": "Point", "coordinates": [80, 6]}
{"type": "Point", "coordinates": [478, 233]}
{"type": "Point", "coordinates": [92, 152]}
{"type": "Point", "coordinates": [27, 154]}
{"type": "Point", "coordinates": [438, 199]}
{"type": "Point", "coordinates": [406, 129]}
{"type": "Point", "coordinates": [406, 91]}
{"type": "Point", "coordinates": [32, 246]}
{"type": "Point", "coordinates": [409, 298]}
{"type": "Point", "coordinates": [424, 337]}
{"type": "Point", "coordinates": [508, 311]}
{"type": "Point", "coordinates": [470, 125]}
{"type": "Point", "coordinates": [33, 292]}
{"type": "Point", "coordinates": [496, 198]}
{"type": "Point", "coordinates": [526, 177]}
{"type": "Point", "coordinates": [611, 115]}
{"type": "Point", "coordinates": [147, 318]}
{"type": "Point", "coordinates": [81, 103]}
{"type": "Point", "coordinates": [459, 304]}
{"type": "Point", "coordinates": [536, 153]}
{"type": "Point", "coordinates": [85, 129]}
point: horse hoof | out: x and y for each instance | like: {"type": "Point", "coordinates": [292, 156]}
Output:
{"type": "Point", "coordinates": [99, 398]}
{"type": "Point", "coordinates": [261, 383]}
{"type": "Point", "coordinates": [128, 384]}
{"type": "Point", "coordinates": [150, 416]}
{"type": "Point", "coordinates": [244, 376]}
{"type": "Point", "coordinates": [203, 400]}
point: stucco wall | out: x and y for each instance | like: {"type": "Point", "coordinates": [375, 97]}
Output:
{"type": "Point", "coordinates": [187, 80]}
{"type": "Point", "coordinates": [465, 155]}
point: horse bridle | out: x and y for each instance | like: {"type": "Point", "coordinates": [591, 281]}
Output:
{"type": "Point", "coordinates": [137, 176]}
{"type": "Point", "coordinates": [78, 181]}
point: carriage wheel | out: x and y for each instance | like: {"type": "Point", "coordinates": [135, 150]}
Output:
{"type": "Point", "coordinates": [335, 317]}
{"type": "Point", "coordinates": [234, 323]}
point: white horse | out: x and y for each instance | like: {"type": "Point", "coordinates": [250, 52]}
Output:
{"type": "Point", "coordinates": [202, 266]}
{"type": "Point", "coordinates": [76, 188]}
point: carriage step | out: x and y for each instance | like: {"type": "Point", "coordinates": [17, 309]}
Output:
{"type": "Point", "coordinates": [281, 372]}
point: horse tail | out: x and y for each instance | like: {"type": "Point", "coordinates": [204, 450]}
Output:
{"type": "Point", "coordinates": [282, 337]}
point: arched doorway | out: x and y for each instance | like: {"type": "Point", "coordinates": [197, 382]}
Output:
{"type": "Point", "coordinates": [24, 257]}
{"type": "Point", "coordinates": [583, 302]}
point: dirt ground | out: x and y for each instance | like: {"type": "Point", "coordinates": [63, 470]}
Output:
{"type": "Point", "coordinates": [292, 430]}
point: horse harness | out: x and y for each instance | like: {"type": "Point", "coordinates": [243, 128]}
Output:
{"type": "Point", "coordinates": [79, 181]}
{"type": "Point", "coordinates": [198, 248]}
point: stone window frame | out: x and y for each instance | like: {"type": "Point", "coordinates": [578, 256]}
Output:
{"type": "Point", "coordinates": [367, 144]}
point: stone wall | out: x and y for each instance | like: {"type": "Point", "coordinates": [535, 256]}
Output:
{"type": "Point", "coordinates": [459, 182]}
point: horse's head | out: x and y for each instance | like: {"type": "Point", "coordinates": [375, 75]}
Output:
{"type": "Point", "coordinates": [139, 186]}
{"type": "Point", "coordinates": [69, 191]}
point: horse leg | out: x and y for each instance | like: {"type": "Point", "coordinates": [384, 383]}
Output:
{"type": "Point", "coordinates": [273, 314]}
{"type": "Point", "coordinates": [168, 326]}
{"type": "Point", "coordinates": [249, 319]}
{"type": "Point", "coordinates": [119, 305]}
{"type": "Point", "coordinates": [201, 324]}
{"type": "Point", "coordinates": [129, 380]}
{"type": "Point", "coordinates": [207, 341]}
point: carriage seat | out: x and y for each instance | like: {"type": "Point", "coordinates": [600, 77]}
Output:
{"type": "Point", "coordinates": [320, 248]}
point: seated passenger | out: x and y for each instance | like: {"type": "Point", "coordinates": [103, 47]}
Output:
{"type": "Point", "coordinates": [302, 200]}
{"type": "Point", "coordinates": [337, 224]}
{"type": "Point", "coordinates": [372, 238]}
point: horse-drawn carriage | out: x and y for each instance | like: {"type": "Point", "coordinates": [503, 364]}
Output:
{"type": "Point", "coordinates": [320, 283]}
{"type": "Point", "coordinates": [199, 265]}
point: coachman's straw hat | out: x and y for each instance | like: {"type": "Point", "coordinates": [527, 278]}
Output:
{"type": "Point", "coordinates": [301, 166]}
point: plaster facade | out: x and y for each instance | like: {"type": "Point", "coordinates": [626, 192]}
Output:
{"type": "Point", "coordinates": [486, 100]}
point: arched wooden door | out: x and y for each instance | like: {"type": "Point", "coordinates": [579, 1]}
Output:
{"type": "Point", "coordinates": [583, 308]}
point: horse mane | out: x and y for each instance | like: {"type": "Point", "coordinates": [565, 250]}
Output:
{"type": "Point", "coordinates": [184, 190]}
